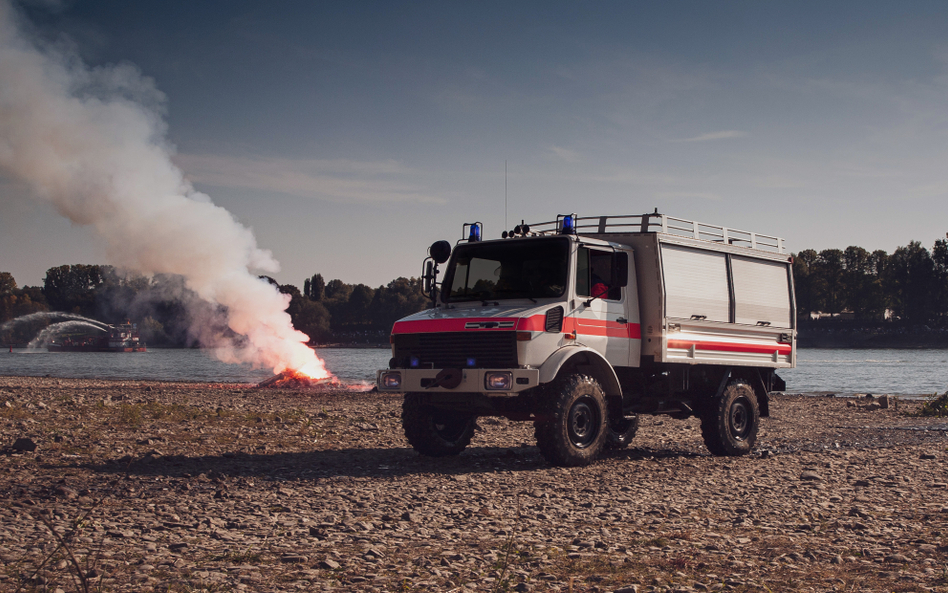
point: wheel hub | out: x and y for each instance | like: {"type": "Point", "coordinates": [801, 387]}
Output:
{"type": "Point", "coordinates": [583, 423]}
{"type": "Point", "coordinates": [740, 420]}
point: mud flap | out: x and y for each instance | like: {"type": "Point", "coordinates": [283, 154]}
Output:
{"type": "Point", "coordinates": [763, 386]}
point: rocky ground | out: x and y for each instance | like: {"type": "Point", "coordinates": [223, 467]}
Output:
{"type": "Point", "coordinates": [180, 487]}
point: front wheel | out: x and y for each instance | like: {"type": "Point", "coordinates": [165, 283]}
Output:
{"type": "Point", "coordinates": [575, 429]}
{"type": "Point", "coordinates": [729, 425]}
{"type": "Point", "coordinates": [435, 432]}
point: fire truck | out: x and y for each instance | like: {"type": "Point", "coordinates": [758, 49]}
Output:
{"type": "Point", "coordinates": [583, 324]}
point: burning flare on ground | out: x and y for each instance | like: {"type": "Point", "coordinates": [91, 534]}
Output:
{"type": "Point", "coordinates": [298, 380]}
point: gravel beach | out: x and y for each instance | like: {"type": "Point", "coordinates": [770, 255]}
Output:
{"type": "Point", "coordinates": [140, 486]}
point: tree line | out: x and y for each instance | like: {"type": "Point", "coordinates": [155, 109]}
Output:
{"type": "Point", "coordinates": [338, 312]}
{"type": "Point", "coordinates": [908, 286]}
{"type": "Point", "coordinates": [166, 310]}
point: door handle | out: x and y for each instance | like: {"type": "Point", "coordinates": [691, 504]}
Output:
{"type": "Point", "coordinates": [622, 320]}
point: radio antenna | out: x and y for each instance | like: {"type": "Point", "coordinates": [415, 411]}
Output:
{"type": "Point", "coordinates": [505, 194]}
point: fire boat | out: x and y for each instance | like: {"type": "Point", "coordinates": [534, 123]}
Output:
{"type": "Point", "coordinates": [121, 338]}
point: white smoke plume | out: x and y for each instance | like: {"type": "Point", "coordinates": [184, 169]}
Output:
{"type": "Point", "coordinates": [92, 142]}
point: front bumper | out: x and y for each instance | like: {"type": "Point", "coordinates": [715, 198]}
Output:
{"type": "Point", "coordinates": [472, 380]}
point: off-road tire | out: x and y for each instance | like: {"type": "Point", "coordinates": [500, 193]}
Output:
{"type": "Point", "coordinates": [621, 432]}
{"type": "Point", "coordinates": [730, 422]}
{"type": "Point", "coordinates": [575, 427]}
{"type": "Point", "coordinates": [435, 432]}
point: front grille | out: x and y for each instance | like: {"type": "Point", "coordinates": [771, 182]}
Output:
{"type": "Point", "coordinates": [481, 350]}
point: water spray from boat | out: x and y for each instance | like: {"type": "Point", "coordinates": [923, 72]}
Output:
{"type": "Point", "coordinates": [57, 329]}
{"type": "Point", "coordinates": [51, 316]}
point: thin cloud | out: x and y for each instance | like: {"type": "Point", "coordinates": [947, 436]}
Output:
{"type": "Point", "coordinates": [722, 135]}
{"type": "Point", "coordinates": [570, 156]}
{"type": "Point", "coordinates": [936, 189]}
{"type": "Point", "coordinates": [687, 195]}
{"type": "Point", "coordinates": [335, 180]}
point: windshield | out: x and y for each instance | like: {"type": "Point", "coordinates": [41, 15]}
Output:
{"type": "Point", "coordinates": [520, 269]}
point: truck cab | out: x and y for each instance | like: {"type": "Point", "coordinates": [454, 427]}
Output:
{"type": "Point", "coordinates": [580, 325]}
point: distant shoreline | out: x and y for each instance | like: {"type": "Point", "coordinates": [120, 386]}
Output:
{"type": "Point", "coordinates": [863, 340]}
{"type": "Point", "coordinates": [356, 345]}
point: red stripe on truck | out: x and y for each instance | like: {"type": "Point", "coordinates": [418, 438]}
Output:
{"type": "Point", "coordinates": [732, 347]}
{"type": "Point", "coordinates": [537, 323]}
{"type": "Point", "coordinates": [602, 328]}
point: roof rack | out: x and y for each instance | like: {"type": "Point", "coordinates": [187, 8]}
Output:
{"type": "Point", "coordinates": [662, 223]}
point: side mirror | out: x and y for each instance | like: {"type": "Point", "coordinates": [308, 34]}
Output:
{"type": "Point", "coordinates": [429, 276]}
{"type": "Point", "coordinates": [440, 251]}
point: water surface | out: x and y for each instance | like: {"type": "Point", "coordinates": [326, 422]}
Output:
{"type": "Point", "coordinates": [849, 371]}
{"type": "Point", "coordinates": [177, 364]}
{"type": "Point", "coordinates": [840, 371]}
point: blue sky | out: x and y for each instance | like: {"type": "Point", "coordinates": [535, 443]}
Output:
{"type": "Point", "coordinates": [351, 135]}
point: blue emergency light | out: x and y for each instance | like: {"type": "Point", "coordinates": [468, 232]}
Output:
{"type": "Point", "coordinates": [474, 234]}
{"type": "Point", "coordinates": [567, 224]}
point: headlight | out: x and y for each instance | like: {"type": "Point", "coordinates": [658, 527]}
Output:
{"type": "Point", "coordinates": [391, 380]}
{"type": "Point", "coordinates": [498, 381]}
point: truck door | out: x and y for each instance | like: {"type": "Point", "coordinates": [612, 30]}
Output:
{"type": "Point", "coordinates": [602, 324]}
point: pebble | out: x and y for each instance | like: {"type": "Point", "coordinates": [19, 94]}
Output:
{"type": "Point", "coordinates": [66, 492]}
{"type": "Point", "coordinates": [24, 444]}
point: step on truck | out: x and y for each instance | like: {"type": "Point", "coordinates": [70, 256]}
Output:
{"type": "Point", "coordinates": [583, 324]}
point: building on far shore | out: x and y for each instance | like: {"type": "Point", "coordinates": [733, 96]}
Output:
{"type": "Point", "coordinates": [847, 315]}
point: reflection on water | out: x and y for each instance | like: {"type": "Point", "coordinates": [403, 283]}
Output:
{"type": "Point", "coordinates": [844, 372]}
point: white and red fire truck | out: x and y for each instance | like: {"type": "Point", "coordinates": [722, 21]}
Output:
{"type": "Point", "coordinates": [582, 324]}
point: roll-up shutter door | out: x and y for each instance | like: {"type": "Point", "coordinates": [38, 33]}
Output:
{"type": "Point", "coordinates": [695, 283]}
{"type": "Point", "coordinates": [761, 292]}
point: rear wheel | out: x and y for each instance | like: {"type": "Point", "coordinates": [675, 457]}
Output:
{"type": "Point", "coordinates": [575, 432]}
{"type": "Point", "coordinates": [729, 425]}
{"type": "Point", "coordinates": [435, 432]}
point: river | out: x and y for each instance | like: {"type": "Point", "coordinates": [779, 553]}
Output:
{"type": "Point", "coordinates": [352, 365]}
{"type": "Point", "coordinates": [839, 371]}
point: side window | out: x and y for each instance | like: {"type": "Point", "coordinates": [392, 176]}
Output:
{"type": "Point", "coordinates": [596, 274]}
